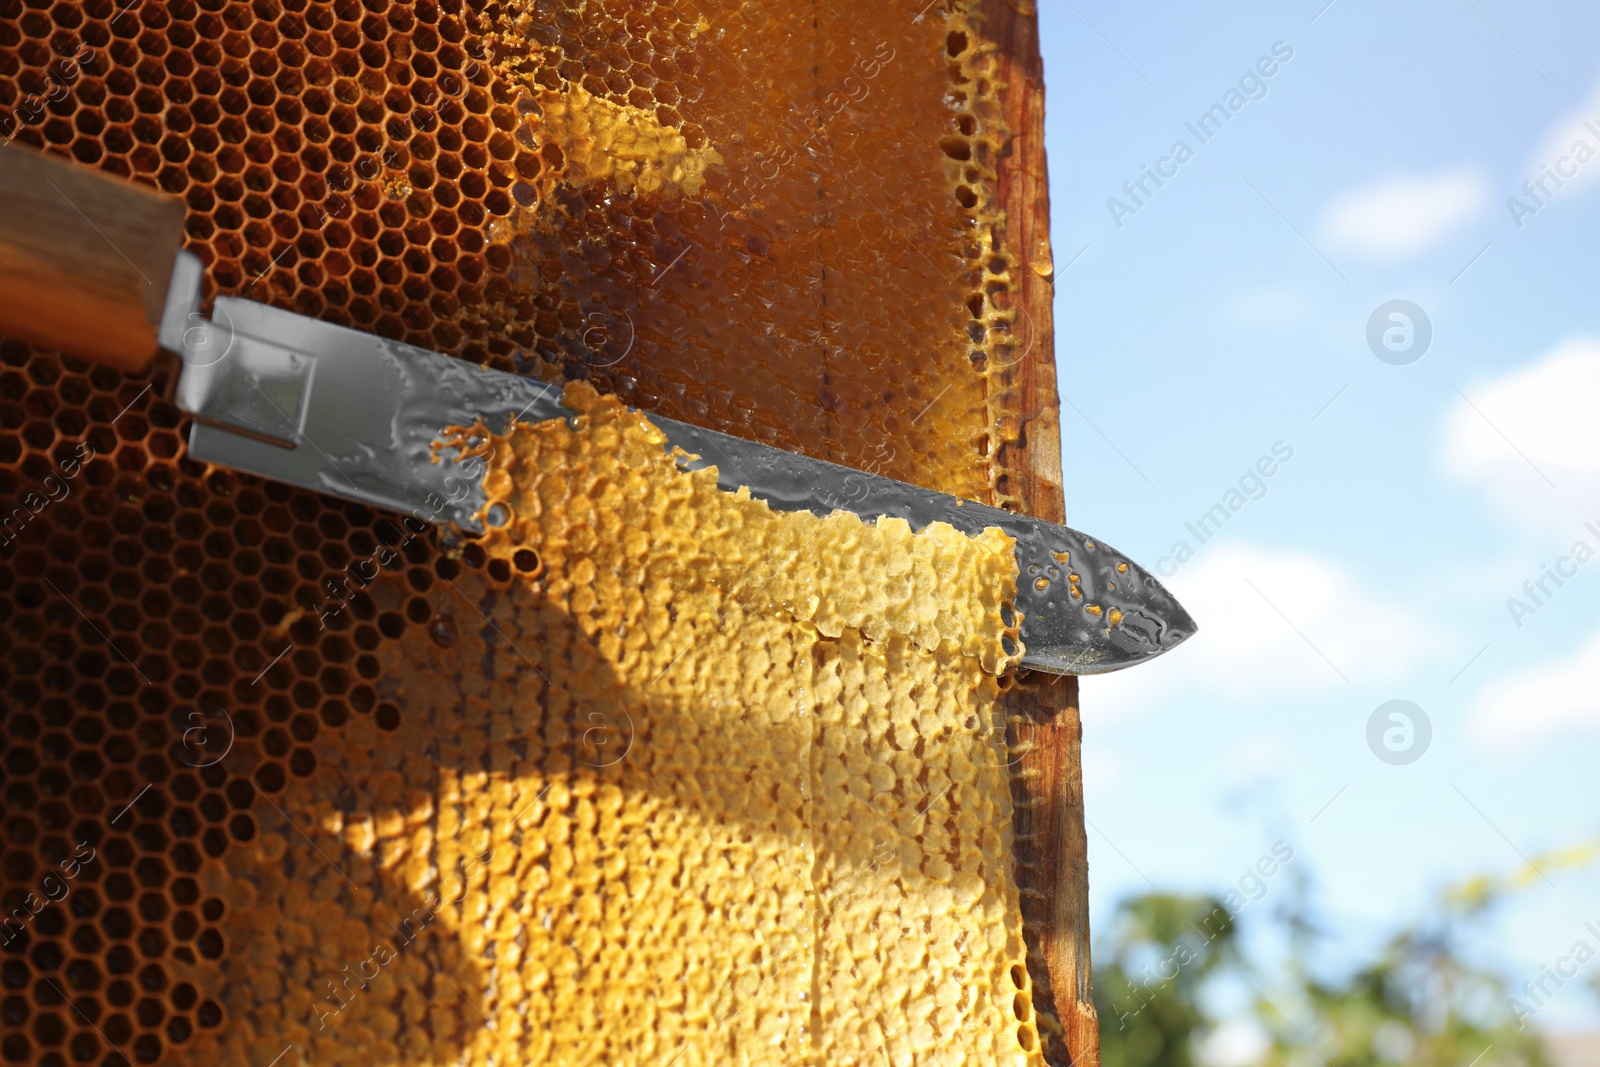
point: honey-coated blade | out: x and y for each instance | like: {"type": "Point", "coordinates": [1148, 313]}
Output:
{"type": "Point", "coordinates": [376, 408]}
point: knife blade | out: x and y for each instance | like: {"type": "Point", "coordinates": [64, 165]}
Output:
{"type": "Point", "coordinates": [357, 416]}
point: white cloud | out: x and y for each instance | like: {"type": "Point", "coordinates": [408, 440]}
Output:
{"type": "Point", "coordinates": [1246, 648]}
{"type": "Point", "coordinates": [1538, 422]}
{"type": "Point", "coordinates": [1406, 214]}
{"type": "Point", "coordinates": [1558, 142]}
{"type": "Point", "coordinates": [1546, 698]}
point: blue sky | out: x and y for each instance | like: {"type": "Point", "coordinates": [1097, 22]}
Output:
{"type": "Point", "coordinates": [1228, 313]}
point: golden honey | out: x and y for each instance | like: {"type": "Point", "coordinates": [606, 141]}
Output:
{"type": "Point", "coordinates": [335, 812]}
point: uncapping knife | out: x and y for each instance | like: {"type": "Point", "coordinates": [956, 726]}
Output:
{"type": "Point", "coordinates": [357, 416]}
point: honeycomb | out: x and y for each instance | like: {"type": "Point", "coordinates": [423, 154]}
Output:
{"type": "Point", "coordinates": [940, 589]}
{"type": "Point", "coordinates": [772, 221]}
{"type": "Point", "coordinates": [630, 890]}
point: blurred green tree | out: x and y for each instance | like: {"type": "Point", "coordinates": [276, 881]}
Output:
{"type": "Point", "coordinates": [1421, 1002]}
{"type": "Point", "coordinates": [1162, 950]}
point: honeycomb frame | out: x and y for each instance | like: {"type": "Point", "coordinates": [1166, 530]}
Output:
{"type": "Point", "coordinates": [344, 159]}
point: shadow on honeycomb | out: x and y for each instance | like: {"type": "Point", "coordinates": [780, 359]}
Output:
{"type": "Point", "coordinates": [174, 657]}
{"type": "Point", "coordinates": [159, 898]}
{"type": "Point", "coordinates": [139, 600]}
{"type": "Point", "coordinates": [324, 868]}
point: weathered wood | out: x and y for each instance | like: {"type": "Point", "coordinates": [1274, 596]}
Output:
{"type": "Point", "coordinates": [85, 258]}
{"type": "Point", "coordinates": [1052, 859]}
{"type": "Point", "coordinates": [1045, 732]}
